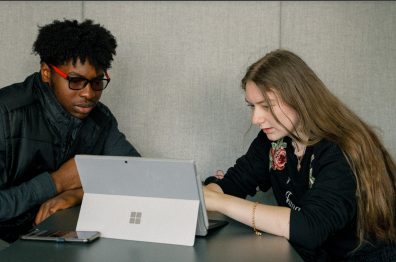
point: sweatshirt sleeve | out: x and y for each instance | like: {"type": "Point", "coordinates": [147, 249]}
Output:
{"type": "Point", "coordinates": [329, 205]}
{"type": "Point", "coordinates": [116, 143]}
{"type": "Point", "coordinates": [16, 200]}
{"type": "Point", "coordinates": [250, 170]}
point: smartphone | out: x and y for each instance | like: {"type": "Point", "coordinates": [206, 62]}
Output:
{"type": "Point", "coordinates": [61, 236]}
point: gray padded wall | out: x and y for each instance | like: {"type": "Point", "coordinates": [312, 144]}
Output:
{"type": "Point", "coordinates": [18, 27]}
{"type": "Point", "coordinates": [175, 88]}
{"type": "Point", "coordinates": [175, 79]}
{"type": "Point", "coordinates": [352, 47]}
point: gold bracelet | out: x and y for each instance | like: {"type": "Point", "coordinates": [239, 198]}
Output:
{"type": "Point", "coordinates": [254, 225]}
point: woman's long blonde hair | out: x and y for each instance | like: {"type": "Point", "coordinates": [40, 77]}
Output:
{"type": "Point", "coordinates": [324, 116]}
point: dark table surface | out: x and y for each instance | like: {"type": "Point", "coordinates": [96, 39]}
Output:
{"type": "Point", "coordinates": [233, 242]}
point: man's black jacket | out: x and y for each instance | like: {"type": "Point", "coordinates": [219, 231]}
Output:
{"type": "Point", "coordinates": [37, 136]}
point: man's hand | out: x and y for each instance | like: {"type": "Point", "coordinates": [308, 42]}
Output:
{"type": "Point", "coordinates": [66, 177]}
{"type": "Point", "coordinates": [64, 200]}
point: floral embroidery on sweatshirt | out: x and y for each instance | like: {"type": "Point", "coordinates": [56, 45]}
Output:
{"type": "Point", "coordinates": [311, 178]}
{"type": "Point", "coordinates": [277, 155]}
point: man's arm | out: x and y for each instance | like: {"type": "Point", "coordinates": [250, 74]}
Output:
{"type": "Point", "coordinates": [17, 200]}
{"type": "Point", "coordinates": [68, 186]}
{"type": "Point", "coordinates": [66, 177]}
{"type": "Point", "coordinates": [67, 180]}
{"type": "Point", "coordinates": [43, 188]}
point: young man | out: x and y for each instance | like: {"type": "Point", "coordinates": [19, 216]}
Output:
{"type": "Point", "coordinates": [49, 118]}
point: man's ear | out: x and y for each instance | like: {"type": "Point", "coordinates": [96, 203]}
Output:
{"type": "Point", "coordinates": [45, 72]}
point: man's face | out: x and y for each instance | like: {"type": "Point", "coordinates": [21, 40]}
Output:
{"type": "Point", "coordinates": [78, 103]}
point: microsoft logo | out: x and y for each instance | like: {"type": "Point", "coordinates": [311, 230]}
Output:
{"type": "Point", "coordinates": [135, 218]}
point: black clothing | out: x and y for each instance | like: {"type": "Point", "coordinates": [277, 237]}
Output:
{"type": "Point", "coordinates": [321, 195]}
{"type": "Point", "coordinates": [37, 136]}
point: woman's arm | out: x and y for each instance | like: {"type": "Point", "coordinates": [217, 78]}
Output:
{"type": "Point", "coordinates": [215, 187]}
{"type": "Point", "coordinates": [241, 180]}
{"type": "Point", "coordinates": [271, 219]}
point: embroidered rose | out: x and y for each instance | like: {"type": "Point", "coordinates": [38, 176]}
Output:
{"type": "Point", "coordinates": [277, 155]}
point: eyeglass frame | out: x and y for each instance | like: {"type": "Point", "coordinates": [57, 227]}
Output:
{"type": "Point", "coordinates": [69, 78]}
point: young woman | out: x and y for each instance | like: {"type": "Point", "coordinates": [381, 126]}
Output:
{"type": "Point", "coordinates": [333, 179]}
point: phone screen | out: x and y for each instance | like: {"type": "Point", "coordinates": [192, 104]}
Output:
{"type": "Point", "coordinates": [61, 236]}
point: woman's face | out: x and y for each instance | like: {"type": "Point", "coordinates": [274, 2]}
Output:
{"type": "Point", "coordinates": [262, 114]}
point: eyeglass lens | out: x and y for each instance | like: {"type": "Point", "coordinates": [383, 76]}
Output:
{"type": "Point", "coordinates": [80, 83]}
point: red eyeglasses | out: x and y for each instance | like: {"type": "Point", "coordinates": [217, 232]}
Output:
{"type": "Point", "coordinates": [78, 83]}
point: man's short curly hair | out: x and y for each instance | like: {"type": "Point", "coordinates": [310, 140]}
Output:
{"type": "Point", "coordinates": [59, 42]}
